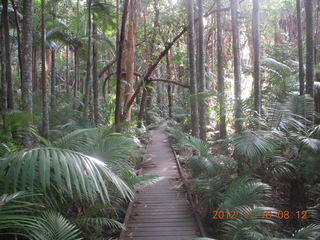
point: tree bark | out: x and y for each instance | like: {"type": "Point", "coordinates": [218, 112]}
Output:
{"type": "Point", "coordinates": [201, 77]}
{"type": "Point", "coordinates": [95, 77]}
{"type": "Point", "coordinates": [256, 55]}
{"type": "Point", "coordinates": [45, 109]}
{"type": "Point", "coordinates": [16, 19]}
{"type": "Point", "coordinates": [53, 79]}
{"type": "Point", "coordinates": [3, 95]}
{"type": "Point", "coordinates": [192, 70]}
{"type": "Point", "coordinates": [300, 48]}
{"type": "Point", "coordinates": [222, 110]}
{"type": "Point", "coordinates": [169, 90]}
{"type": "Point", "coordinates": [130, 55]}
{"type": "Point", "coordinates": [118, 110]}
{"type": "Point", "coordinates": [236, 65]}
{"type": "Point", "coordinates": [27, 38]}
{"type": "Point", "coordinates": [310, 46]}
{"type": "Point", "coordinates": [7, 54]}
{"type": "Point", "coordinates": [67, 70]}
{"type": "Point", "coordinates": [88, 77]}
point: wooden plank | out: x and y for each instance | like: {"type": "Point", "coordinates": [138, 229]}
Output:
{"type": "Point", "coordinates": [161, 233]}
{"type": "Point", "coordinates": [162, 224]}
{"type": "Point", "coordinates": [183, 237]}
{"type": "Point", "coordinates": [160, 228]}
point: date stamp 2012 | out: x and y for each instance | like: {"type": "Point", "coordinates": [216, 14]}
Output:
{"type": "Point", "coordinates": [265, 214]}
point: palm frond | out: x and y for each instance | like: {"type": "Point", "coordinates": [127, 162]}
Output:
{"type": "Point", "coordinates": [71, 172]}
{"type": "Point", "coordinates": [312, 231]}
{"type": "Point", "coordinates": [245, 192]}
{"type": "Point", "coordinates": [80, 140]}
{"type": "Point", "coordinates": [99, 222]}
{"type": "Point", "coordinates": [53, 226]}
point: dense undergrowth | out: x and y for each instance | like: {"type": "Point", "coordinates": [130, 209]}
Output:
{"type": "Point", "coordinates": [275, 193]}
{"type": "Point", "coordinates": [75, 185]}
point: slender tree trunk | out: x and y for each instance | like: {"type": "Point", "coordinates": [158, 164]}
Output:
{"type": "Point", "coordinates": [7, 54]}
{"type": "Point", "coordinates": [192, 70]}
{"type": "Point", "coordinates": [88, 77]}
{"type": "Point", "coordinates": [3, 95]}
{"type": "Point", "coordinates": [67, 70]}
{"type": "Point", "coordinates": [222, 110]}
{"type": "Point", "coordinates": [300, 47]}
{"type": "Point", "coordinates": [34, 69]}
{"type": "Point", "coordinates": [169, 89]}
{"type": "Point", "coordinates": [310, 46]}
{"type": "Point", "coordinates": [118, 110]}
{"type": "Point", "coordinates": [256, 54]}
{"type": "Point", "coordinates": [236, 65]}
{"type": "Point", "coordinates": [130, 55]}
{"type": "Point", "coordinates": [16, 19]}
{"type": "Point", "coordinates": [95, 78]}
{"type": "Point", "coordinates": [76, 73]}
{"type": "Point", "coordinates": [45, 109]}
{"type": "Point", "coordinates": [53, 79]}
{"type": "Point", "coordinates": [201, 78]}
{"type": "Point", "coordinates": [27, 38]}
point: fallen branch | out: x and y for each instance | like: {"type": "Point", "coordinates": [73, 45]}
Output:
{"type": "Point", "coordinates": [106, 67]}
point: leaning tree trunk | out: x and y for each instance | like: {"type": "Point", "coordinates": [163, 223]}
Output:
{"type": "Point", "coordinates": [201, 78]}
{"type": "Point", "coordinates": [310, 46]}
{"type": "Point", "coordinates": [300, 47]}
{"type": "Point", "coordinates": [45, 109]}
{"type": "Point", "coordinates": [118, 110]}
{"type": "Point", "coordinates": [27, 38]}
{"type": "Point", "coordinates": [256, 54]}
{"type": "Point", "coordinates": [95, 85]}
{"type": "Point", "coordinates": [7, 54]}
{"type": "Point", "coordinates": [192, 70]}
{"type": "Point", "coordinates": [88, 77]}
{"type": "Point", "coordinates": [222, 110]}
{"type": "Point", "coordinates": [236, 65]}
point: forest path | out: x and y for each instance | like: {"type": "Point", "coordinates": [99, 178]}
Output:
{"type": "Point", "coordinates": [161, 210]}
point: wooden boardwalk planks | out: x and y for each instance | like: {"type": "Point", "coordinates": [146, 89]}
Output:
{"type": "Point", "coordinates": [161, 210]}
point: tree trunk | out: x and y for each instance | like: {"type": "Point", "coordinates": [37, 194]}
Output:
{"type": "Point", "coordinates": [3, 95]}
{"type": "Point", "coordinates": [256, 54]}
{"type": "Point", "coordinates": [53, 79]}
{"type": "Point", "coordinates": [67, 70]}
{"type": "Point", "coordinates": [16, 19]}
{"type": "Point", "coordinates": [168, 66]}
{"type": "Point", "coordinates": [310, 46]}
{"type": "Point", "coordinates": [88, 77]}
{"type": "Point", "coordinates": [201, 78]}
{"type": "Point", "coordinates": [236, 65]}
{"type": "Point", "coordinates": [7, 54]}
{"type": "Point", "coordinates": [300, 47]}
{"type": "Point", "coordinates": [35, 86]}
{"type": "Point", "coordinates": [130, 56]}
{"type": "Point", "coordinates": [27, 38]}
{"type": "Point", "coordinates": [95, 77]}
{"type": "Point", "coordinates": [45, 110]}
{"type": "Point", "coordinates": [118, 110]}
{"type": "Point", "coordinates": [192, 71]}
{"type": "Point", "coordinates": [222, 110]}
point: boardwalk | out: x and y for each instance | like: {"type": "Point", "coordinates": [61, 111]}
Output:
{"type": "Point", "coordinates": [161, 211]}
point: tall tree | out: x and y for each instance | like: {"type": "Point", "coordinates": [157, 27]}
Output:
{"type": "Point", "coordinates": [118, 110]}
{"type": "Point", "coordinates": [88, 77]}
{"type": "Point", "coordinates": [27, 38]}
{"type": "Point", "coordinates": [3, 93]}
{"type": "Point", "coordinates": [192, 70]}
{"type": "Point", "coordinates": [95, 85]}
{"type": "Point", "coordinates": [236, 64]}
{"type": "Point", "coordinates": [200, 74]}
{"type": "Point", "coordinates": [53, 68]}
{"type": "Point", "coordinates": [310, 46]}
{"type": "Point", "coordinates": [130, 54]}
{"type": "Point", "coordinates": [300, 47]}
{"type": "Point", "coordinates": [7, 54]}
{"type": "Point", "coordinates": [222, 110]}
{"type": "Point", "coordinates": [256, 54]}
{"type": "Point", "coordinates": [45, 108]}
